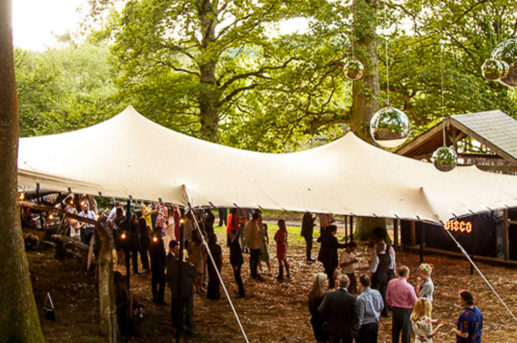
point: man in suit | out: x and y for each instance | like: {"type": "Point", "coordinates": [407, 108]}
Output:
{"type": "Point", "coordinates": [182, 301]}
{"type": "Point", "coordinates": [236, 261]}
{"type": "Point", "coordinates": [328, 252]}
{"type": "Point", "coordinates": [338, 313]}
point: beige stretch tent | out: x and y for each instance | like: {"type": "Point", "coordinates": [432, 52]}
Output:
{"type": "Point", "coordinates": [130, 155]}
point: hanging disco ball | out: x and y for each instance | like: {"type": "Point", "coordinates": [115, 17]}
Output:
{"type": "Point", "coordinates": [389, 127]}
{"type": "Point", "coordinates": [444, 159]}
{"type": "Point", "coordinates": [492, 69]}
{"type": "Point", "coordinates": [507, 52]}
{"type": "Point", "coordinates": [353, 69]}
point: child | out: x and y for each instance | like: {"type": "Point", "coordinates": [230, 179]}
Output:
{"type": "Point", "coordinates": [346, 262]}
{"type": "Point", "coordinates": [421, 324]}
{"type": "Point", "coordinates": [281, 249]}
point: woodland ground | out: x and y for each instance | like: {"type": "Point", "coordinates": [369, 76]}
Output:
{"type": "Point", "coordinates": [272, 311]}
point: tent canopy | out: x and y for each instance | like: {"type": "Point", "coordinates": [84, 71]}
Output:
{"type": "Point", "coordinates": [129, 155]}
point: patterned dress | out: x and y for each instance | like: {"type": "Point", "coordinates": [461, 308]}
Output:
{"type": "Point", "coordinates": [422, 328]}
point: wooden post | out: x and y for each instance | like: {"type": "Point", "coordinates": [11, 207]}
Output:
{"type": "Point", "coordinates": [346, 229]}
{"type": "Point", "coordinates": [422, 240]}
{"type": "Point", "coordinates": [506, 235]}
{"type": "Point", "coordinates": [412, 234]}
{"type": "Point", "coordinates": [108, 310]}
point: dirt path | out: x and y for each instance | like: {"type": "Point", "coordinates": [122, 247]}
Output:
{"type": "Point", "coordinates": [272, 311]}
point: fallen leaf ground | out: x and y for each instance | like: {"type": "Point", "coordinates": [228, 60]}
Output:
{"type": "Point", "coordinates": [272, 311]}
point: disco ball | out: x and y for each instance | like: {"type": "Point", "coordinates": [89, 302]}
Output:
{"type": "Point", "coordinates": [492, 69]}
{"type": "Point", "coordinates": [507, 52]}
{"type": "Point", "coordinates": [444, 159]}
{"type": "Point", "coordinates": [353, 69]}
{"type": "Point", "coordinates": [389, 127]}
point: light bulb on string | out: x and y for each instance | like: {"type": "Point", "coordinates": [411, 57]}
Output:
{"type": "Point", "coordinates": [444, 158]}
{"type": "Point", "coordinates": [353, 68]}
{"type": "Point", "coordinates": [507, 52]}
{"type": "Point", "coordinates": [389, 127]}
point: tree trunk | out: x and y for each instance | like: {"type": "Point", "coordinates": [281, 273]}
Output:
{"type": "Point", "coordinates": [19, 321]}
{"type": "Point", "coordinates": [108, 311]}
{"type": "Point", "coordinates": [209, 94]}
{"type": "Point", "coordinates": [365, 91]}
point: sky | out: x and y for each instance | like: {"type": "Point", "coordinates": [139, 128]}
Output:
{"type": "Point", "coordinates": [34, 21]}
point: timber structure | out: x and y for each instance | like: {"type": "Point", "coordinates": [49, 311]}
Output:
{"type": "Point", "coordinates": [484, 139]}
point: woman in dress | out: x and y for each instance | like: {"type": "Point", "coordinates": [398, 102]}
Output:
{"type": "Point", "coordinates": [264, 251]}
{"type": "Point", "coordinates": [470, 322]}
{"type": "Point", "coordinates": [315, 298]}
{"type": "Point", "coordinates": [421, 323]}
{"type": "Point", "coordinates": [281, 249]}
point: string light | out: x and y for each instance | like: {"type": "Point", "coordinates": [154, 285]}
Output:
{"type": "Point", "coordinates": [50, 217]}
{"type": "Point", "coordinates": [21, 197]}
{"type": "Point", "coordinates": [155, 239]}
{"type": "Point", "coordinates": [182, 220]}
{"type": "Point", "coordinates": [123, 235]}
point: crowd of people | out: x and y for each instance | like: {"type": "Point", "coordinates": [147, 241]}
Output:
{"type": "Point", "coordinates": [338, 315]}
{"type": "Point", "coordinates": [343, 307]}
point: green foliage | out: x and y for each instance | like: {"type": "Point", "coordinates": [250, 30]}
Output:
{"type": "Point", "coordinates": [449, 40]}
{"type": "Point", "coordinates": [212, 69]}
{"type": "Point", "coordinates": [64, 89]}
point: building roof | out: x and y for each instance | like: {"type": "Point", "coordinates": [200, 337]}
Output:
{"type": "Point", "coordinates": [495, 129]}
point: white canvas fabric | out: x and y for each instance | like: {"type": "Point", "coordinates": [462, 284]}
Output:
{"type": "Point", "coordinates": [130, 155]}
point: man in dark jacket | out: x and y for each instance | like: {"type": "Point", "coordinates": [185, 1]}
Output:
{"type": "Point", "coordinates": [157, 252]}
{"type": "Point", "coordinates": [328, 252]}
{"type": "Point", "coordinates": [338, 312]}
{"type": "Point", "coordinates": [182, 301]}
{"type": "Point", "coordinates": [236, 261]}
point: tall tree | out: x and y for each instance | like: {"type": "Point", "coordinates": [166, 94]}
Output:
{"type": "Point", "coordinates": [365, 92]}
{"type": "Point", "coordinates": [19, 321]}
{"type": "Point", "coordinates": [196, 65]}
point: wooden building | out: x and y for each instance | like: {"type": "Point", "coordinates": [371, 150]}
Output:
{"type": "Point", "coordinates": [485, 139]}
{"type": "Point", "coordinates": [489, 141]}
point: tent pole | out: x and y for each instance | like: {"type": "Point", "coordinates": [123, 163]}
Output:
{"type": "Point", "coordinates": [351, 228]}
{"type": "Point", "coordinates": [346, 229]}
{"type": "Point", "coordinates": [395, 232]}
{"type": "Point", "coordinates": [472, 251]}
{"type": "Point", "coordinates": [128, 237]}
{"type": "Point", "coordinates": [179, 316]}
{"type": "Point", "coordinates": [481, 274]}
{"type": "Point", "coordinates": [422, 233]}
{"type": "Point", "coordinates": [217, 271]}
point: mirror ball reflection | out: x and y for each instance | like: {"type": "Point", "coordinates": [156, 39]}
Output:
{"type": "Point", "coordinates": [444, 159]}
{"type": "Point", "coordinates": [353, 69]}
{"type": "Point", "coordinates": [389, 127]}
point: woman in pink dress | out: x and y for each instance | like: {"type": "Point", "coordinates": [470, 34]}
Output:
{"type": "Point", "coordinates": [281, 249]}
